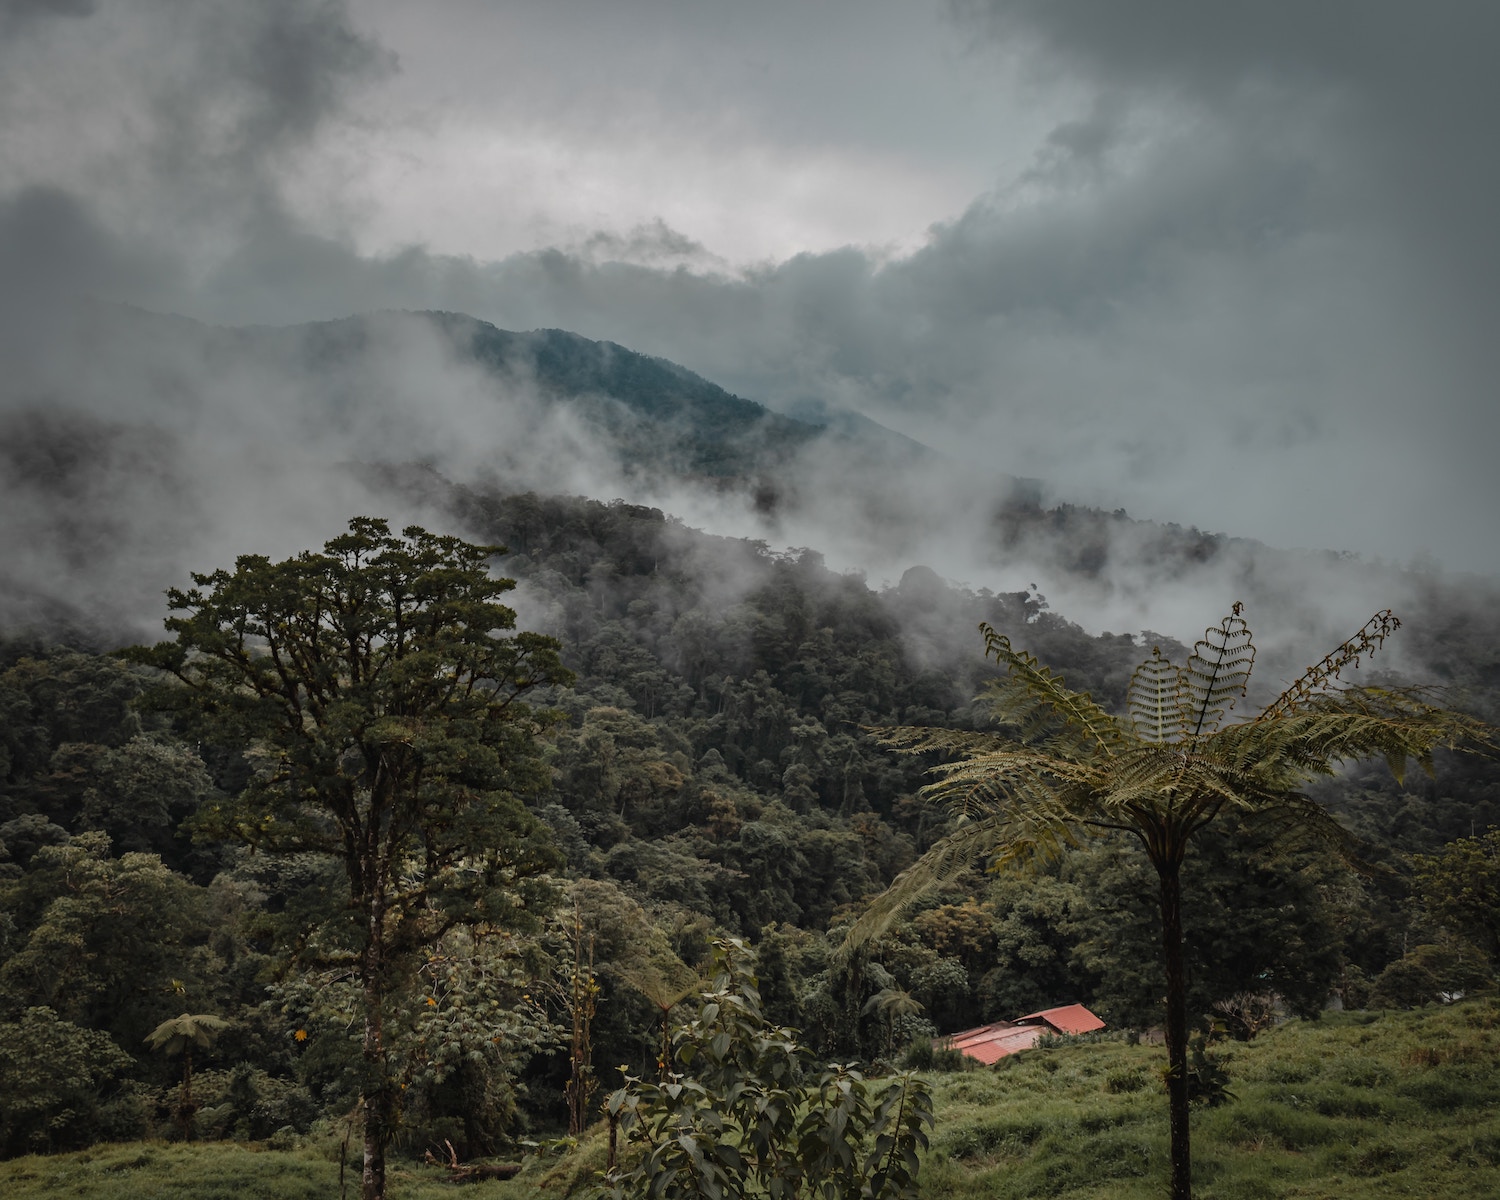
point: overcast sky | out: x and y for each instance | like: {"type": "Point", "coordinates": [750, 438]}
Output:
{"type": "Point", "coordinates": [1229, 265]}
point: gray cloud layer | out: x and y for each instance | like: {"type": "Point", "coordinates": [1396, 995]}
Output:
{"type": "Point", "coordinates": [1245, 282]}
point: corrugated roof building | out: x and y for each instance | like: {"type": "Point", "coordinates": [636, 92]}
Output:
{"type": "Point", "coordinates": [990, 1043]}
{"type": "Point", "coordinates": [1069, 1018]}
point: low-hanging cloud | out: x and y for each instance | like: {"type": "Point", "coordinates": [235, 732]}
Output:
{"type": "Point", "coordinates": [1241, 285]}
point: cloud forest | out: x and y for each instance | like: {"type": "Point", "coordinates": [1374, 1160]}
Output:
{"type": "Point", "coordinates": [653, 600]}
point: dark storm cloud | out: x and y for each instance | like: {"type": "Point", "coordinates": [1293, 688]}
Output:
{"type": "Point", "coordinates": [50, 241]}
{"type": "Point", "coordinates": [260, 78]}
{"type": "Point", "coordinates": [17, 14]}
{"type": "Point", "coordinates": [1402, 97]}
{"type": "Point", "coordinates": [1242, 282]}
{"type": "Point", "coordinates": [167, 126]}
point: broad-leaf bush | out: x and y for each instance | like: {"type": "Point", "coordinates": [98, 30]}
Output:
{"type": "Point", "coordinates": [741, 1111]}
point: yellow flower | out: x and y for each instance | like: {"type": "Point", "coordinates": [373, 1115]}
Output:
{"type": "Point", "coordinates": [431, 1003]}
{"type": "Point", "coordinates": [300, 1035]}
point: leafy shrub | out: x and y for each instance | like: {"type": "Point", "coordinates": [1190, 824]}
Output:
{"type": "Point", "coordinates": [923, 1054]}
{"type": "Point", "coordinates": [1208, 1081]}
{"type": "Point", "coordinates": [1123, 1080]}
{"type": "Point", "coordinates": [55, 1076]}
{"type": "Point", "coordinates": [746, 1114]}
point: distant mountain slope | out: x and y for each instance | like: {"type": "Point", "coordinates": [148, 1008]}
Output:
{"type": "Point", "coordinates": [657, 416]}
{"type": "Point", "coordinates": [135, 447]}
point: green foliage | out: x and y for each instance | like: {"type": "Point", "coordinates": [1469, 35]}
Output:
{"type": "Point", "coordinates": [1208, 1080]}
{"type": "Point", "coordinates": [138, 793]}
{"type": "Point", "coordinates": [100, 939]}
{"type": "Point", "coordinates": [179, 1034]}
{"type": "Point", "coordinates": [749, 1115]}
{"type": "Point", "coordinates": [383, 706]}
{"type": "Point", "coordinates": [1436, 972]}
{"type": "Point", "coordinates": [55, 1075]}
{"type": "Point", "coordinates": [1064, 767]}
{"type": "Point", "coordinates": [1460, 888]}
{"type": "Point", "coordinates": [712, 776]}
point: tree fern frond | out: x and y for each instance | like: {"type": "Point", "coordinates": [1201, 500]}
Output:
{"type": "Point", "coordinates": [1341, 725]}
{"type": "Point", "coordinates": [993, 840]}
{"type": "Point", "coordinates": [1217, 673]}
{"type": "Point", "coordinates": [1154, 699]}
{"type": "Point", "coordinates": [1037, 702]}
{"type": "Point", "coordinates": [1297, 821]}
{"type": "Point", "coordinates": [921, 739]}
{"type": "Point", "coordinates": [1321, 674]}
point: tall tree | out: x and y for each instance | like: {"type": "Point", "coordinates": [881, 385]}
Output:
{"type": "Point", "coordinates": [379, 686]}
{"type": "Point", "coordinates": [1062, 766]}
{"type": "Point", "coordinates": [1460, 888]}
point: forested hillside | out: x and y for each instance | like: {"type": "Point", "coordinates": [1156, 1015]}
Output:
{"type": "Point", "coordinates": [712, 773]}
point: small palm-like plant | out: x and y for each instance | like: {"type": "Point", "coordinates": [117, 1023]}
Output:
{"type": "Point", "coordinates": [178, 1036]}
{"type": "Point", "coordinates": [665, 980]}
{"type": "Point", "coordinates": [1062, 766]}
{"type": "Point", "coordinates": [890, 1004]}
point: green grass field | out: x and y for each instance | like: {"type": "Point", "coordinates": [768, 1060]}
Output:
{"type": "Point", "coordinates": [1355, 1105]}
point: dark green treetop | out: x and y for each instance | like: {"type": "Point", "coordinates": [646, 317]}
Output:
{"type": "Point", "coordinates": [378, 684]}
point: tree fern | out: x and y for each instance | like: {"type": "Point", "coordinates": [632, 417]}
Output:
{"type": "Point", "coordinates": [1064, 766]}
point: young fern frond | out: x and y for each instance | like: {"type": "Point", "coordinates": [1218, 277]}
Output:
{"type": "Point", "coordinates": [1037, 704]}
{"type": "Point", "coordinates": [1155, 699]}
{"type": "Point", "coordinates": [1317, 678]}
{"type": "Point", "coordinates": [1217, 673]}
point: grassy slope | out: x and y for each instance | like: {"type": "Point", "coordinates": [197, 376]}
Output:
{"type": "Point", "coordinates": [1357, 1105]}
{"type": "Point", "coordinates": [201, 1171]}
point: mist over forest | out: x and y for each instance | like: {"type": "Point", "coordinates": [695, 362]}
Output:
{"type": "Point", "coordinates": [141, 447]}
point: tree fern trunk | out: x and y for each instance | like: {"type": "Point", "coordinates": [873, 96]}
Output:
{"type": "Point", "coordinates": [185, 1105]}
{"type": "Point", "coordinates": [1176, 1028]}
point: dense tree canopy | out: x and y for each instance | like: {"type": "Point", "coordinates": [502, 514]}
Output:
{"type": "Point", "coordinates": [709, 775]}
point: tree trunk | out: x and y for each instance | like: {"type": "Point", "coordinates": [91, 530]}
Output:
{"type": "Point", "coordinates": [185, 1102]}
{"type": "Point", "coordinates": [1176, 1029]}
{"type": "Point", "coordinates": [378, 1098]}
{"type": "Point", "coordinates": [377, 1105]}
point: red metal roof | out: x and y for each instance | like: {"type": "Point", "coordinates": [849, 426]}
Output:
{"type": "Point", "coordinates": [990, 1043]}
{"type": "Point", "coordinates": [1069, 1018]}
